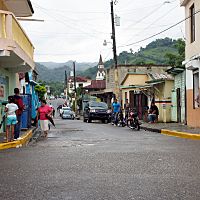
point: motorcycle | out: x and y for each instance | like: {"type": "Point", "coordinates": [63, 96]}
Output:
{"type": "Point", "coordinates": [121, 120]}
{"type": "Point", "coordinates": [133, 121]}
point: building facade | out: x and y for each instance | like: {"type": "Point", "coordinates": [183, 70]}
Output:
{"type": "Point", "coordinates": [122, 72]}
{"type": "Point", "coordinates": [142, 88]}
{"type": "Point", "coordinates": [16, 49]}
{"type": "Point", "coordinates": [192, 61]}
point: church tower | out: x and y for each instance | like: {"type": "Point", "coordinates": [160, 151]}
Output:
{"type": "Point", "coordinates": [101, 71]}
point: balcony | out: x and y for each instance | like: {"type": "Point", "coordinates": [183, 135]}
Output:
{"type": "Point", "coordinates": [16, 50]}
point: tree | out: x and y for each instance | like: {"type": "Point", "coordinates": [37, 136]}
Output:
{"type": "Point", "coordinates": [176, 60]}
{"type": "Point", "coordinates": [41, 90]}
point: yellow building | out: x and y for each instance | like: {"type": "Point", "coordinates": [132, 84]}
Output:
{"type": "Point", "coordinates": [141, 88]}
{"type": "Point", "coordinates": [16, 49]}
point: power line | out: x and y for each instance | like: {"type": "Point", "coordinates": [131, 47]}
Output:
{"type": "Point", "coordinates": [160, 31]}
{"type": "Point", "coordinates": [153, 22]}
{"type": "Point", "coordinates": [146, 16]}
{"type": "Point", "coordinates": [63, 21]}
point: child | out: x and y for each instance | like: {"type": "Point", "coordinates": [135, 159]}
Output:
{"type": "Point", "coordinates": [10, 110]}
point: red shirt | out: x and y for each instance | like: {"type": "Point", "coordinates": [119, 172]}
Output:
{"type": "Point", "coordinates": [43, 110]}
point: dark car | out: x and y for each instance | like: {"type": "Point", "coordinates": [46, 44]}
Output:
{"type": "Point", "coordinates": [96, 111]}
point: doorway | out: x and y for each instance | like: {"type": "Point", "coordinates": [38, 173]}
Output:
{"type": "Point", "coordinates": [138, 102]}
{"type": "Point", "coordinates": [178, 97]}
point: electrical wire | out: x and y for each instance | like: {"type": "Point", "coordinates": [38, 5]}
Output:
{"type": "Point", "coordinates": [63, 21]}
{"type": "Point", "coordinates": [146, 28]}
{"type": "Point", "coordinates": [159, 32]}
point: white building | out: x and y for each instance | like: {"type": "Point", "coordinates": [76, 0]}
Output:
{"type": "Point", "coordinates": [101, 71]}
{"type": "Point", "coordinates": [80, 82]}
{"type": "Point", "coordinates": [192, 61]}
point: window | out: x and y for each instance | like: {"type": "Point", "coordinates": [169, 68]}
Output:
{"type": "Point", "coordinates": [192, 23]}
{"type": "Point", "coordinates": [196, 97]}
{"type": "Point", "coordinates": [80, 85]}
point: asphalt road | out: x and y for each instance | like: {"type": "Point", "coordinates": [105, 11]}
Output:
{"type": "Point", "coordinates": [94, 161]}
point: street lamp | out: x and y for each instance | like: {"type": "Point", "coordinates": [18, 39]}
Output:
{"type": "Point", "coordinates": [105, 43]}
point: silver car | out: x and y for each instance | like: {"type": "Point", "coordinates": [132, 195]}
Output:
{"type": "Point", "coordinates": [67, 114]}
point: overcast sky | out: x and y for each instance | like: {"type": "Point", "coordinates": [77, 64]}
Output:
{"type": "Point", "coordinates": [76, 29]}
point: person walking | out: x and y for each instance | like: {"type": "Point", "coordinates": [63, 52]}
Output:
{"type": "Point", "coordinates": [116, 109]}
{"type": "Point", "coordinates": [44, 111]}
{"type": "Point", "coordinates": [18, 100]}
{"type": "Point", "coordinates": [11, 119]}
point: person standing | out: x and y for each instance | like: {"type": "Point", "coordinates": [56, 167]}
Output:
{"type": "Point", "coordinates": [43, 112]}
{"type": "Point", "coordinates": [116, 109]}
{"type": "Point", "coordinates": [18, 100]}
{"type": "Point", "coordinates": [11, 119]}
{"type": "Point", "coordinates": [126, 109]}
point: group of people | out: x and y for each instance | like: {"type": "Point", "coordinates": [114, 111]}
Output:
{"type": "Point", "coordinates": [153, 112]}
{"type": "Point", "coordinates": [13, 116]}
{"type": "Point", "coordinates": [14, 109]}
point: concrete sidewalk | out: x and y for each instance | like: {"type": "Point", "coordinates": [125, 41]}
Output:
{"type": "Point", "coordinates": [173, 129]}
{"type": "Point", "coordinates": [23, 141]}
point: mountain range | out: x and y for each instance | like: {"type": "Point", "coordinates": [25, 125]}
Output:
{"type": "Point", "coordinates": [154, 53]}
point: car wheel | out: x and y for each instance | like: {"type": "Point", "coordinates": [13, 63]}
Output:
{"type": "Point", "coordinates": [89, 120]}
{"type": "Point", "coordinates": [103, 121]}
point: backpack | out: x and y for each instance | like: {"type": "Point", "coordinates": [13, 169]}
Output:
{"type": "Point", "coordinates": [19, 102]}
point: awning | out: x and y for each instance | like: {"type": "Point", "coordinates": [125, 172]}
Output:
{"type": "Point", "coordinates": [134, 86]}
{"type": "Point", "coordinates": [156, 83]}
{"type": "Point", "coordinates": [175, 70]}
{"type": "Point", "coordinates": [192, 63]}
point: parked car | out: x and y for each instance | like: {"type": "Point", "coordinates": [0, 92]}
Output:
{"type": "Point", "coordinates": [67, 113]}
{"type": "Point", "coordinates": [63, 108]}
{"type": "Point", "coordinates": [96, 111]}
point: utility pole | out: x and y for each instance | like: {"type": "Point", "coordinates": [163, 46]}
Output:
{"type": "Point", "coordinates": [66, 85]}
{"type": "Point", "coordinates": [75, 101]}
{"type": "Point", "coordinates": [113, 35]}
{"type": "Point", "coordinates": [116, 89]}
{"type": "Point", "coordinates": [74, 72]}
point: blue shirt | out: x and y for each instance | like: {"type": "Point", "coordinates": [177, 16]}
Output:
{"type": "Point", "coordinates": [116, 107]}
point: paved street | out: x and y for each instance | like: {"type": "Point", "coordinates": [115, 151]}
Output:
{"type": "Point", "coordinates": [83, 161]}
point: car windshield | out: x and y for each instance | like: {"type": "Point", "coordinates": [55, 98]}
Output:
{"type": "Point", "coordinates": [66, 108]}
{"type": "Point", "coordinates": [66, 111]}
{"type": "Point", "coordinates": [98, 104]}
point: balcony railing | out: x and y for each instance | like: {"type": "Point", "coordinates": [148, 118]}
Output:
{"type": "Point", "coordinates": [10, 29]}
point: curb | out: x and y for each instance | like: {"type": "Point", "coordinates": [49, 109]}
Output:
{"type": "Point", "coordinates": [180, 134]}
{"type": "Point", "coordinates": [173, 133]}
{"type": "Point", "coordinates": [156, 130]}
{"type": "Point", "coordinates": [19, 143]}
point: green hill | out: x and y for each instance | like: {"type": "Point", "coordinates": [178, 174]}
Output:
{"type": "Point", "coordinates": [153, 53]}
{"type": "Point", "coordinates": [52, 75]}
